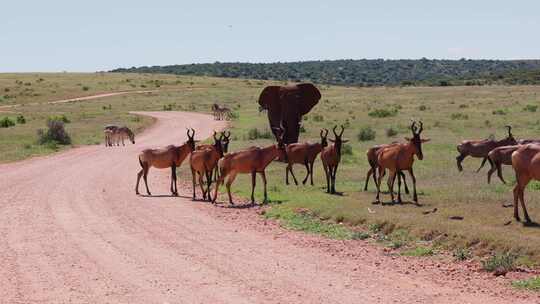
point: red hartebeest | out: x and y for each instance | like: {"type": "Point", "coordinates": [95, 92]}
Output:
{"type": "Point", "coordinates": [330, 157]}
{"type": "Point", "coordinates": [371, 155]}
{"type": "Point", "coordinates": [252, 160]}
{"type": "Point", "coordinates": [304, 153]}
{"type": "Point", "coordinates": [203, 161]}
{"type": "Point", "coordinates": [481, 148]}
{"type": "Point", "coordinates": [168, 157]}
{"type": "Point", "coordinates": [400, 157]}
{"type": "Point", "coordinates": [498, 157]}
{"type": "Point", "coordinates": [526, 164]}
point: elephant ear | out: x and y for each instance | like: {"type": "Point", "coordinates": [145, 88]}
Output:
{"type": "Point", "coordinates": [310, 96]}
{"type": "Point", "coordinates": [269, 98]}
{"type": "Point", "coordinates": [270, 101]}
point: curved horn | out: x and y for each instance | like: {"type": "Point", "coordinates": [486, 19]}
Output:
{"type": "Point", "coordinates": [326, 134]}
{"type": "Point", "coordinates": [413, 126]}
{"type": "Point", "coordinates": [321, 133]}
{"type": "Point", "coordinates": [421, 127]}
{"type": "Point", "coordinates": [228, 134]}
{"type": "Point", "coordinates": [334, 130]}
{"type": "Point", "coordinates": [342, 130]}
{"type": "Point", "coordinates": [509, 130]}
{"type": "Point", "coordinates": [215, 133]}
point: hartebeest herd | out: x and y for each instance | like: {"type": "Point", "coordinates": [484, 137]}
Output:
{"type": "Point", "coordinates": [212, 163]}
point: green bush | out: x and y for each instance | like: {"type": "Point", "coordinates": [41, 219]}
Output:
{"type": "Point", "coordinates": [318, 118]}
{"type": "Point", "coordinates": [530, 108]}
{"type": "Point", "coordinates": [346, 149]}
{"type": "Point", "coordinates": [167, 107]}
{"type": "Point", "coordinates": [459, 116]}
{"type": "Point", "coordinates": [20, 119]}
{"type": "Point", "coordinates": [391, 132]}
{"type": "Point", "coordinates": [422, 108]}
{"type": "Point", "coordinates": [85, 88]}
{"type": "Point", "coordinates": [366, 134]}
{"type": "Point", "coordinates": [55, 133]}
{"type": "Point", "coordinates": [381, 113]}
{"type": "Point", "coordinates": [500, 263]}
{"type": "Point", "coordinates": [63, 118]}
{"type": "Point", "coordinates": [254, 133]}
{"type": "Point", "coordinates": [360, 235]}
{"type": "Point", "coordinates": [462, 254]}
{"type": "Point", "coordinates": [499, 112]}
{"type": "Point", "coordinates": [6, 122]}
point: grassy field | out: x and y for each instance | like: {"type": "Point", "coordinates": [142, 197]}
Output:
{"type": "Point", "coordinates": [450, 114]}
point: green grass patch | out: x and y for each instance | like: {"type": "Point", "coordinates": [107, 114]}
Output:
{"type": "Point", "coordinates": [419, 251]}
{"type": "Point", "coordinates": [500, 263]}
{"type": "Point", "coordinates": [530, 284]}
{"type": "Point", "coordinates": [302, 221]}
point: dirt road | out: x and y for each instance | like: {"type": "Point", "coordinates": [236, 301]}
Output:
{"type": "Point", "coordinates": [72, 230]}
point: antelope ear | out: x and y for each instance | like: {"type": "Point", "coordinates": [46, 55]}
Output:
{"type": "Point", "coordinates": [345, 141]}
{"type": "Point", "coordinates": [407, 139]}
{"type": "Point", "coordinates": [425, 140]}
{"type": "Point", "coordinates": [331, 140]}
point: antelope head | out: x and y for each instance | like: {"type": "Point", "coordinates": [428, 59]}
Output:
{"type": "Point", "coordinates": [191, 139]}
{"type": "Point", "coordinates": [510, 139]}
{"type": "Point", "coordinates": [416, 140]}
{"type": "Point", "coordinates": [225, 140]}
{"type": "Point", "coordinates": [282, 154]}
{"type": "Point", "coordinates": [218, 144]}
{"type": "Point", "coordinates": [324, 135]}
{"type": "Point", "coordinates": [338, 141]}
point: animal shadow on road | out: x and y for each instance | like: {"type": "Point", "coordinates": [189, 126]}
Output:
{"type": "Point", "coordinates": [164, 195]}
{"type": "Point", "coordinates": [403, 203]}
{"type": "Point", "coordinates": [531, 225]}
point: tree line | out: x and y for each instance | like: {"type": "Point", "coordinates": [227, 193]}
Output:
{"type": "Point", "coordinates": [367, 72]}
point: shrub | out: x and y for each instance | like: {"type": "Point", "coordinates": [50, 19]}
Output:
{"type": "Point", "coordinates": [85, 88]}
{"type": "Point", "coordinates": [381, 113]}
{"type": "Point", "coordinates": [499, 112]}
{"type": "Point", "coordinates": [500, 263]}
{"type": "Point", "coordinates": [346, 149]}
{"type": "Point", "coordinates": [463, 106]}
{"type": "Point", "coordinates": [366, 134]}
{"type": "Point", "coordinates": [459, 116]}
{"type": "Point", "coordinates": [20, 119]}
{"type": "Point", "coordinates": [254, 133]}
{"type": "Point", "coordinates": [6, 122]}
{"type": "Point", "coordinates": [167, 107]}
{"type": "Point", "coordinates": [461, 254]}
{"type": "Point", "coordinates": [390, 132]}
{"type": "Point", "coordinates": [109, 107]}
{"type": "Point", "coordinates": [359, 235]}
{"type": "Point", "coordinates": [55, 134]}
{"type": "Point", "coordinates": [422, 108]}
{"type": "Point", "coordinates": [318, 118]}
{"type": "Point", "coordinates": [419, 252]}
{"type": "Point", "coordinates": [530, 108]}
{"type": "Point", "coordinates": [399, 238]}
{"type": "Point", "coordinates": [302, 129]}
{"type": "Point", "coordinates": [63, 118]}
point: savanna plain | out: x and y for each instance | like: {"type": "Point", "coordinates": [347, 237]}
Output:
{"type": "Point", "coordinates": [482, 224]}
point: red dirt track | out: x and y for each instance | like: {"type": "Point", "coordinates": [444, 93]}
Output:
{"type": "Point", "coordinates": [72, 230]}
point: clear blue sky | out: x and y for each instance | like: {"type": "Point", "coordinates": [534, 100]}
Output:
{"type": "Point", "coordinates": [76, 35]}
